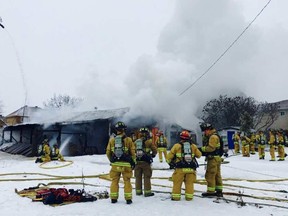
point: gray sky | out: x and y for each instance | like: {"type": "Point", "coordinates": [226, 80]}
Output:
{"type": "Point", "coordinates": [141, 54]}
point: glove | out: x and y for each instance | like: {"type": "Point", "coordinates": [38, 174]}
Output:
{"type": "Point", "coordinates": [171, 165]}
{"type": "Point", "coordinates": [132, 165]}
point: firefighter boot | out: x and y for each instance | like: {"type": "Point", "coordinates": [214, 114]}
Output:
{"type": "Point", "coordinates": [219, 193]}
{"type": "Point", "coordinates": [148, 194]}
{"type": "Point", "coordinates": [129, 202]}
{"type": "Point", "coordinates": [209, 194]}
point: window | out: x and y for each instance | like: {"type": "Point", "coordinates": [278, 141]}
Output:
{"type": "Point", "coordinates": [282, 113]}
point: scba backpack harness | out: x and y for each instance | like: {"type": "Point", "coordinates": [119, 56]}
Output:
{"type": "Point", "coordinates": [141, 154]}
{"type": "Point", "coordinates": [40, 149]}
{"type": "Point", "coordinates": [139, 148]}
{"type": "Point", "coordinates": [188, 159]}
{"type": "Point", "coordinates": [219, 151]}
{"type": "Point", "coordinates": [161, 142]}
{"type": "Point", "coordinates": [119, 151]}
{"type": "Point", "coordinates": [187, 154]}
{"type": "Point", "coordinates": [119, 147]}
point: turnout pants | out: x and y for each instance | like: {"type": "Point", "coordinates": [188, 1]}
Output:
{"type": "Point", "coordinates": [261, 151]}
{"type": "Point", "coordinates": [162, 150]}
{"type": "Point", "coordinates": [143, 169]}
{"type": "Point", "coordinates": [213, 174]}
{"type": "Point", "coordinates": [236, 147]}
{"type": "Point", "coordinates": [186, 175]}
{"type": "Point", "coordinates": [115, 174]}
{"type": "Point", "coordinates": [245, 150]}
{"type": "Point", "coordinates": [272, 152]}
{"type": "Point", "coordinates": [252, 147]}
{"type": "Point", "coordinates": [281, 152]}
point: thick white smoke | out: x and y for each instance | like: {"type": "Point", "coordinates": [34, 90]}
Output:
{"type": "Point", "coordinates": [198, 33]}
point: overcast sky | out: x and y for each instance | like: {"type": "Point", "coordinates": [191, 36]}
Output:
{"type": "Point", "coordinates": [141, 54]}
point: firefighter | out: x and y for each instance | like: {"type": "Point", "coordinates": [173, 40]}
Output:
{"type": "Point", "coordinates": [236, 140]}
{"type": "Point", "coordinates": [245, 141]}
{"type": "Point", "coordinates": [280, 143]}
{"type": "Point", "coordinates": [272, 142]}
{"type": "Point", "coordinates": [182, 158]}
{"type": "Point", "coordinates": [44, 152]}
{"type": "Point", "coordinates": [55, 153]}
{"type": "Point", "coordinates": [145, 151]}
{"type": "Point", "coordinates": [161, 143]}
{"type": "Point", "coordinates": [121, 153]}
{"type": "Point", "coordinates": [212, 151]}
{"type": "Point", "coordinates": [261, 142]}
{"type": "Point", "coordinates": [252, 143]}
{"type": "Point", "coordinates": [133, 136]}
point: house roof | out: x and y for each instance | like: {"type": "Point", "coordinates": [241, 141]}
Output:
{"type": "Point", "coordinates": [93, 115]}
{"type": "Point", "coordinates": [24, 111]}
{"type": "Point", "coordinates": [58, 116]}
{"type": "Point", "coordinates": [283, 105]}
{"type": "Point", "coordinates": [36, 115]}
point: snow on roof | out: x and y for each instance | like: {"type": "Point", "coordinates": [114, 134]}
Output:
{"type": "Point", "coordinates": [97, 114]}
{"type": "Point", "coordinates": [46, 116]}
{"type": "Point", "coordinates": [283, 105]}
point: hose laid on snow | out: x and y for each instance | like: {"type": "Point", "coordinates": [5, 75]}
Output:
{"type": "Point", "coordinates": [43, 165]}
{"type": "Point", "coordinates": [52, 177]}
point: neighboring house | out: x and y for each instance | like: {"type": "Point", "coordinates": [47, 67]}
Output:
{"type": "Point", "coordinates": [21, 115]}
{"type": "Point", "coordinates": [282, 120]}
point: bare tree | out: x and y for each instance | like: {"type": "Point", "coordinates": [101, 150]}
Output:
{"type": "Point", "coordinates": [60, 101]}
{"type": "Point", "coordinates": [240, 111]}
{"type": "Point", "coordinates": [267, 114]}
{"type": "Point", "coordinates": [229, 111]}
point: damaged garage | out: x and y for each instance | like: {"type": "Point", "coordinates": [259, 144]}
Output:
{"type": "Point", "coordinates": [77, 134]}
{"type": "Point", "coordinates": [81, 133]}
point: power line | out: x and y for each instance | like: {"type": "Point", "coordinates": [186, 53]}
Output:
{"type": "Point", "coordinates": [230, 46]}
{"type": "Point", "coordinates": [19, 64]}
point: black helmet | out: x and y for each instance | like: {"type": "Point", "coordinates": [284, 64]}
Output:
{"type": "Point", "coordinates": [205, 126]}
{"type": "Point", "coordinates": [144, 130]}
{"type": "Point", "coordinates": [120, 125]}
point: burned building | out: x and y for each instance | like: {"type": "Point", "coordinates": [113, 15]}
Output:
{"type": "Point", "coordinates": [77, 133]}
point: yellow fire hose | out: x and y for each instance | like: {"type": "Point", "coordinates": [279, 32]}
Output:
{"type": "Point", "coordinates": [66, 163]}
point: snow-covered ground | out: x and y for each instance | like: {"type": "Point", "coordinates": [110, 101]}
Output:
{"type": "Point", "coordinates": [21, 172]}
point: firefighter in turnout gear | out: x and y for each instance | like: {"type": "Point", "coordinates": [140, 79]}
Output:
{"type": "Point", "coordinates": [145, 151]}
{"type": "Point", "coordinates": [55, 153]}
{"type": "Point", "coordinates": [252, 143]}
{"type": "Point", "coordinates": [212, 151]}
{"type": "Point", "coordinates": [280, 144]}
{"type": "Point", "coordinates": [245, 141]}
{"type": "Point", "coordinates": [261, 142]}
{"type": "Point", "coordinates": [44, 152]}
{"type": "Point", "coordinates": [182, 157]}
{"type": "Point", "coordinates": [161, 143]}
{"type": "Point", "coordinates": [236, 140]}
{"type": "Point", "coordinates": [272, 142]}
{"type": "Point", "coordinates": [121, 153]}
